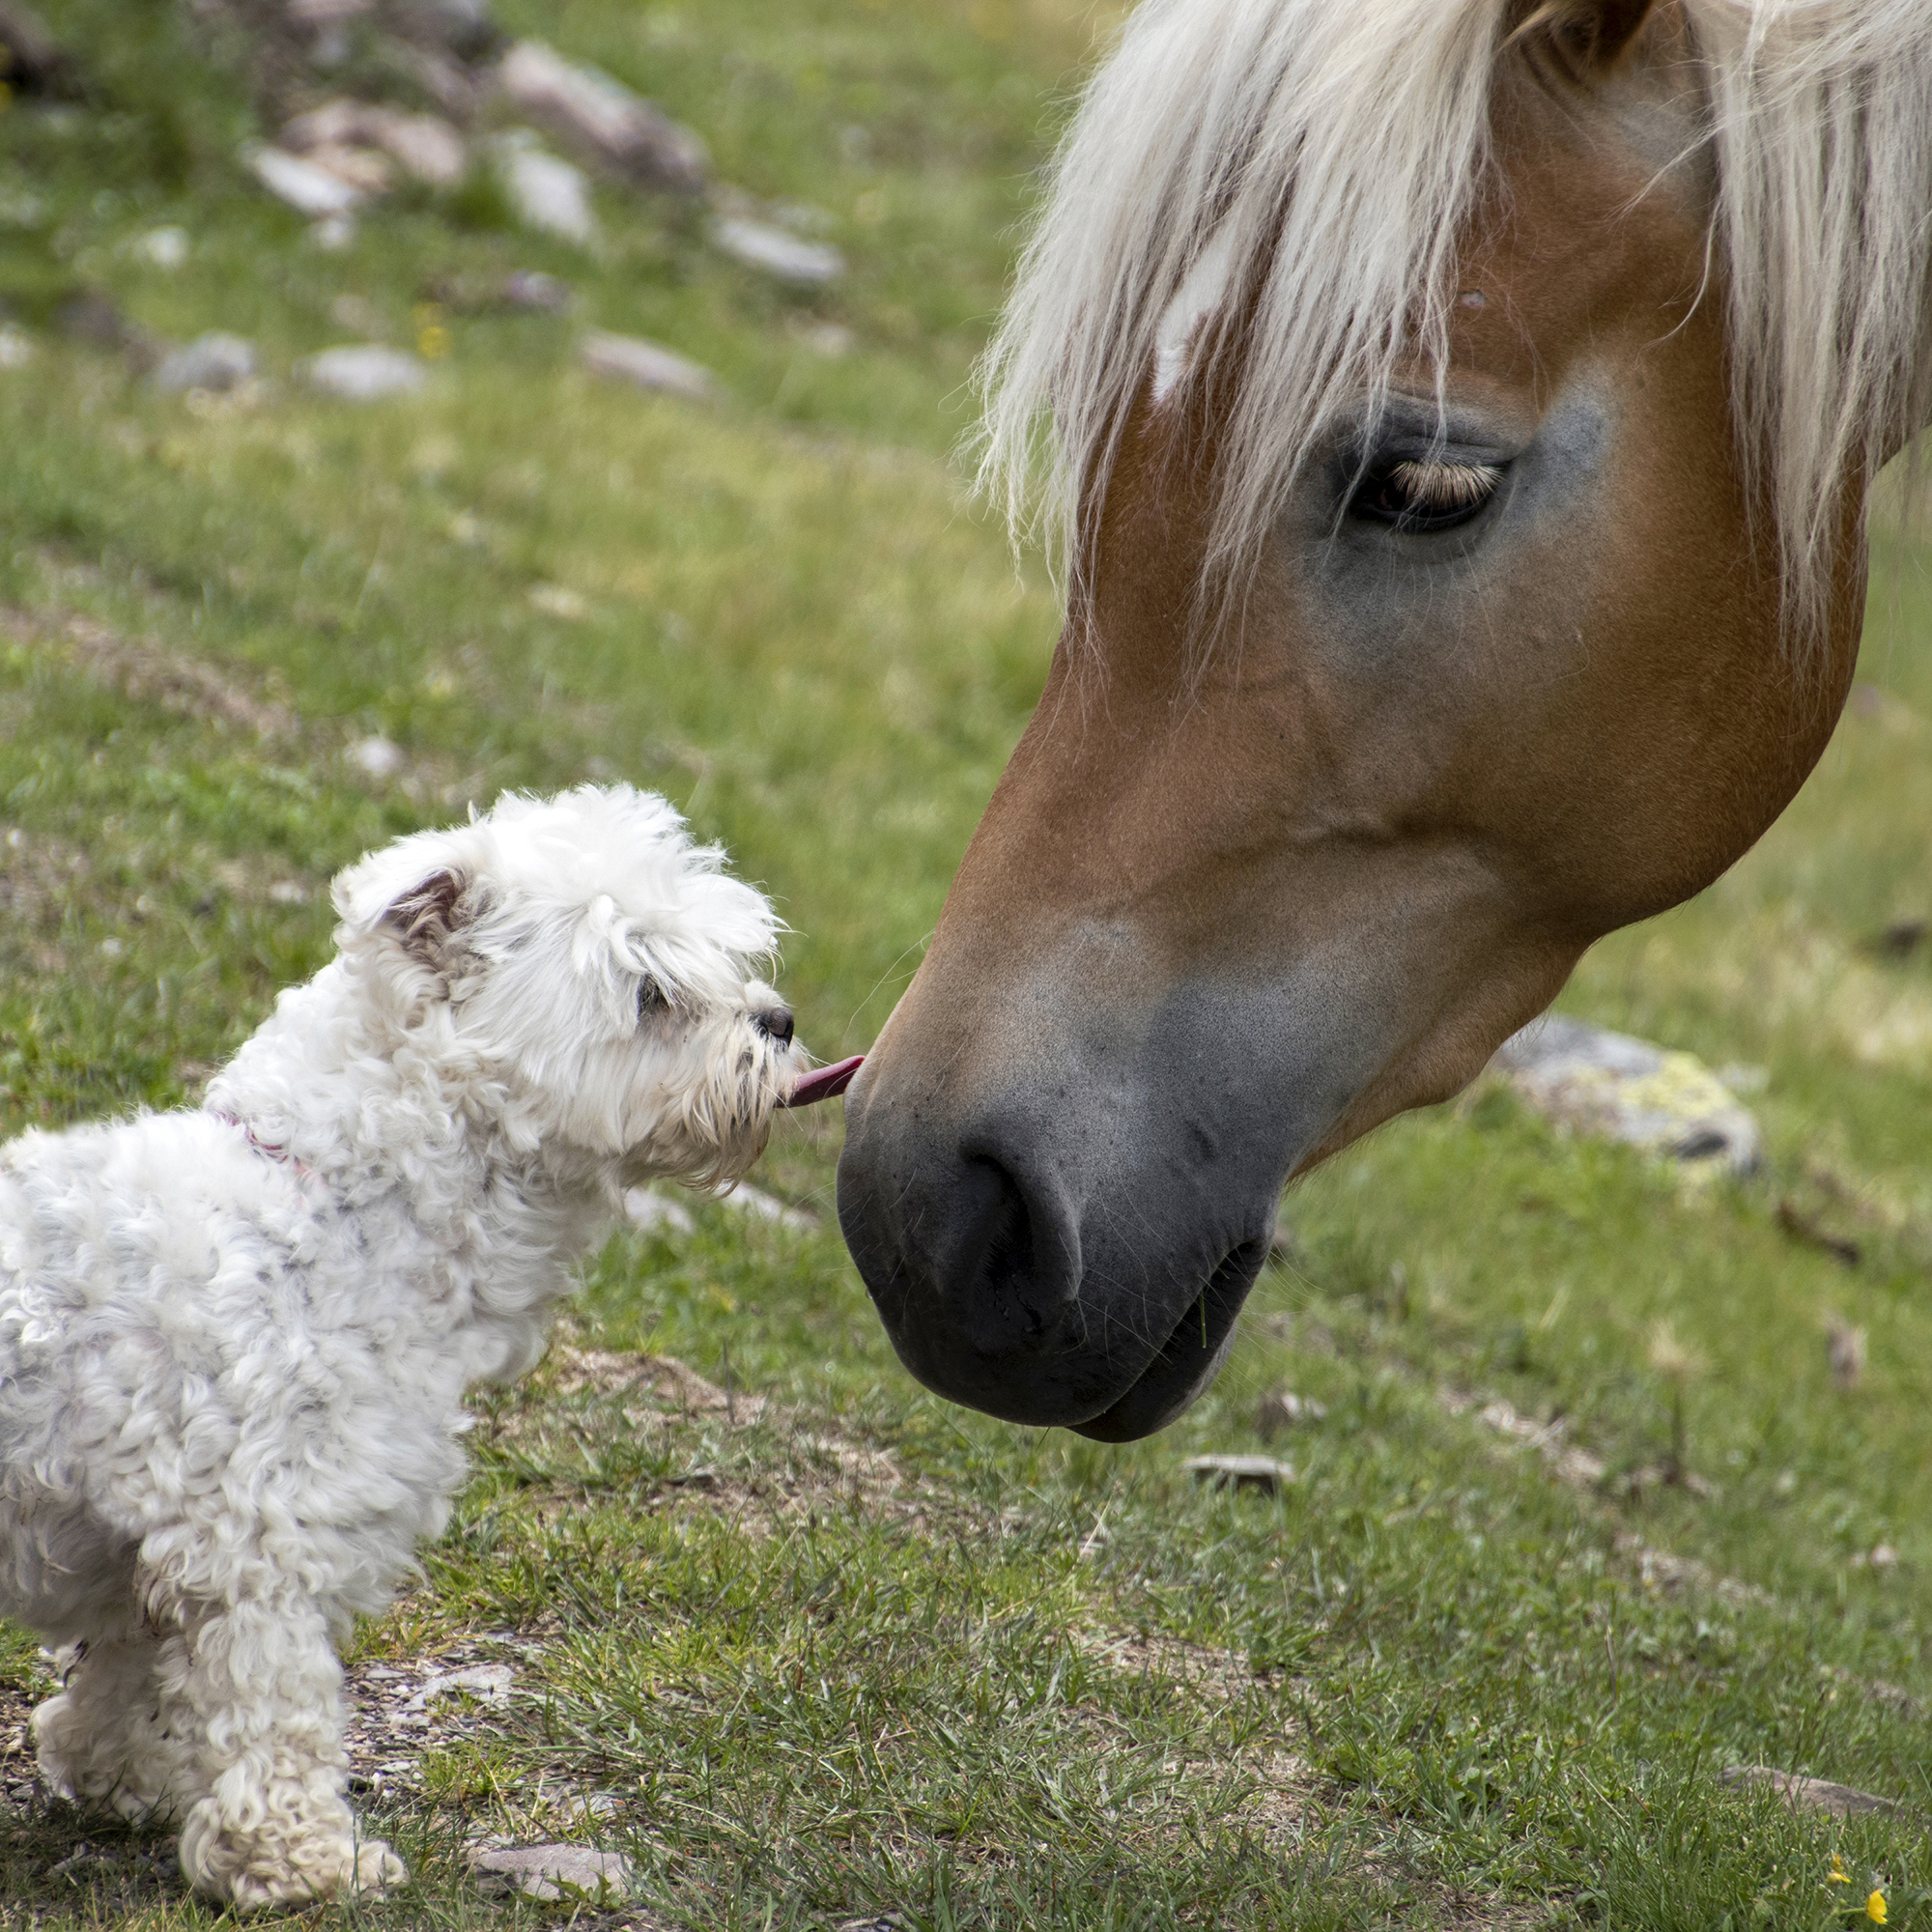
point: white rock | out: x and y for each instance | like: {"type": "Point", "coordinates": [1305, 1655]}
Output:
{"type": "Point", "coordinates": [630, 358]}
{"type": "Point", "coordinates": [615, 130]}
{"type": "Point", "coordinates": [486, 1683]}
{"type": "Point", "coordinates": [334, 234]}
{"type": "Point", "coordinates": [559, 600]}
{"type": "Point", "coordinates": [645, 1208]}
{"type": "Point", "coordinates": [760, 245]}
{"type": "Point", "coordinates": [758, 1205]}
{"type": "Point", "coordinates": [361, 372]}
{"type": "Point", "coordinates": [544, 193]}
{"type": "Point", "coordinates": [1606, 1083]}
{"type": "Point", "coordinates": [423, 145]}
{"type": "Point", "coordinates": [1241, 1472]}
{"type": "Point", "coordinates": [216, 361]}
{"type": "Point", "coordinates": [17, 348]}
{"type": "Point", "coordinates": [306, 189]}
{"type": "Point", "coordinates": [161, 247]}
{"type": "Point", "coordinates": [377, 757]}
{"type": "Point", "coordinates": [549, 1871]}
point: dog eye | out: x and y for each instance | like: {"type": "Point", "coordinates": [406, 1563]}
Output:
{"type": "Point", "coordinates": [1419, 498]}
{"type": "Point", "coordinates": [651, 1000]}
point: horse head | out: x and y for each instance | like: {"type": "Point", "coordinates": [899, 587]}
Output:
{"type": "Point", "coordinates": [1464, 549]}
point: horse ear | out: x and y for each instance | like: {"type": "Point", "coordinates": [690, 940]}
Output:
{"type": "Point", "coordinates": [1589, 37]}
{"type": "Point", "coordinates": [424, 917]}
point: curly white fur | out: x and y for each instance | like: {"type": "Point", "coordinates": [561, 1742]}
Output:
{"type": "Point", "coordinates": [234, 1342]}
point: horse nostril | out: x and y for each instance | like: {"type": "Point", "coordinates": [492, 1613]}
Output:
{"type": "Point", "coordinates": [775, 1024]}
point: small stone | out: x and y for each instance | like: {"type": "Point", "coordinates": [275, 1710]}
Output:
{"type": "Point", "coordinates": [551, 1871]}
{"type": "Point", "coordinates": [423, 145]}
{"type": "Point", "coordinates": [1600, 1082]}
{"type": "Point", "coordinates": [534, 290]}
{"type": "Point", "coordinates": [308, 190]}
{"type": "Point", "coordinates": [161, 247]}
{"type": "Point", "coordinates": [17, 348]}
{"type": "Point", "coordinates": [334, 234]}
{"type": "Point", "coordinates": [652, 1212]}
{"type": "Point", "coordinates": [363, 169]}
{"type": "Point", "coordinates": [758, 1205]}
{"type": "Point", "coordinates": [1241, 1472]}
{"type": "Point", "coordinates": [630, 358]}
{"type": "Point", "coordinates": [760, 246]}
{"type": "Point", "coordinates": [486, 1683]}
{"type": "Point", "coordinates": [1809, 1794]}
{"type": "Point", "coordinates": [1844, 1352]}
{"type": "Point", "coordinates": [557, 600]}
{"type": "Point", "coordinates": [544, 193]}
{"type": "Point", "coordinates": [377, 758]}
{"type": "Point", "coordinates": [356, 312]}
{"type": "Point", "coordinates": [615, 130]}
{"type": "Point", "coordinates": [830, 339]}
{"type": "Point", "coordinates": [216, 361]}
{"type": "Point", "coordinates": [363, 372]}
{"type": "Point", "coordinates": [1281, 1410]}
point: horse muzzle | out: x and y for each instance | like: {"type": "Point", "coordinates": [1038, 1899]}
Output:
{"type": "Point", "coordinates": [1068, 1245]}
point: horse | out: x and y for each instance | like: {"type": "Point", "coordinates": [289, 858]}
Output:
{"type": "Point", "coordinates": [1454, 423]}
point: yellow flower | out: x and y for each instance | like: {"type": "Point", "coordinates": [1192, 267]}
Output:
{"type": "Point", "coordinates": [1875, 1908]}
{"type": "Point", "coordinates": [1837, 1875]}
{"type": "Point", "coordinates": [433, 341]}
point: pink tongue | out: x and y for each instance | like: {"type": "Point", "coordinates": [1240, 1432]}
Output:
{"type": "Point", "coordinates": [824, 1082]}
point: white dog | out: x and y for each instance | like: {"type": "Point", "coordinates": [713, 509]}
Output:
{"type": "Point", "coordinates": [234, 1342]}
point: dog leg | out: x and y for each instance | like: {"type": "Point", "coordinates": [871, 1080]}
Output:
{"type": "Point", "coordinates": [257, 1688]}
{"type": "Point", "coordinates": [102, 1741]}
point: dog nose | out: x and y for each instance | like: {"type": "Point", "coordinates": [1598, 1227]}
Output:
{"type": "Point", "coordinates": [775, 1023]}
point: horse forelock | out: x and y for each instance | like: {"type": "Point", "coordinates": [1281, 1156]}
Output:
{"type": "Point", "coordinates": [1314, 165]}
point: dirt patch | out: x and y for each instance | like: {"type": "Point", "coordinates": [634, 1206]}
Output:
{"type": "Point", "coordinates": [41, 882]}
{"type": "Point", "coordinates": [148, 671]}
{"type": "Point", "coordinates": [744, 1454]}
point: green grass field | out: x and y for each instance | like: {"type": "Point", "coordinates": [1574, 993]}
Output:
{"type": "Point", "coordinates": [832, 1650]}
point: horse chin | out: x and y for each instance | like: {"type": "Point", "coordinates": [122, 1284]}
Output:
{"type": "Point", "coordinates": [1188, 1360]}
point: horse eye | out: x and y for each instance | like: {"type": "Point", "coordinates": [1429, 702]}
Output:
{"type": "Point", "coordinates": [1419, 498]}
{"type": "Point", "coordinates": [651, 1000]}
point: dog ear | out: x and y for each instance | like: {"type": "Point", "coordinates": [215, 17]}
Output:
{"type": "Point", "coordinates": [424, 917]}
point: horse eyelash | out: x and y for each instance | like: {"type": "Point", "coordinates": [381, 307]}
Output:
{"type": "Point", "coordinates": [1446, 485]}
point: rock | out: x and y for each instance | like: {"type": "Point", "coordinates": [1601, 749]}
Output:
{"type": "Point", "coordinates": [534, 290]}
{"type": "Point", "coordinates": [551, 1871]}
{"type": "Point", "coordinates": [760, 245]}
{"type": "Point", "coordinates": [1281, 1410]}
{"type": "Point", "coordinates": [30, 60]}
{"type": "Point", "coordinates": [645, 1208]}
{"type": "Point", "coordinates": [1600, 1082]}
{"type": "Point", "coordinates": [215, 361]}
{"type": "Point", "coordinates": [1810, 1794]}
{"type": "Point", "coordinates": [309, 190]}
{"type": "Point", "coordinates": [558, 601]}
{"type": "Point", "coordinates": [17, 350]}
{"type": "Point", "coordinates": [758, 1205]}
{"type": "Point", "coordinates": [830, 339]}
{"type": "Point", "coordinates": [161, 247]}
{"type": "Point", "coordinates": [1241, 1472]}
{"type": "Point", "coordinates": [363, 372]}
{"type": "Point", "coordinates": [1844, 1352]}
{"type": "Point", "coordinates": [377, 758]}
{"type": "Point", "coordinates": [423, 145]}
{"type": "Point", "coordinates": [615, 130]}
{"type": "Point", "coordinates": [486, 1683]}
{"type": "Point", "coordinates": [630, 358]}
{"type": "Point", "coordinates": [544, 193]}
{"type": "Point", "coordinates": [334, 234]}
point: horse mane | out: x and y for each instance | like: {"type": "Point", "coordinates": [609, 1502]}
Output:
{"type": "Point", "coordinates": [1329, 151]}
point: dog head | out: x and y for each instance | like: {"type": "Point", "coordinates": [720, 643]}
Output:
{"type": "Point", "coordinates": [579, 971]}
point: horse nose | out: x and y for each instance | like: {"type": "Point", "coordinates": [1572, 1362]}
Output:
{"type": "Point", "coordinates": [775, 1023]}
{"type": "Point", "coordinates": [973, 1257]}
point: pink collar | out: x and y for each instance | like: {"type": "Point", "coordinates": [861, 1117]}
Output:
{"type": "Point", "coordinates": [302, 1171]}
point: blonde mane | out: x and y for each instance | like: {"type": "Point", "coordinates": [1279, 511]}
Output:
{"type": "Point", "coordinates": [1329, 153]}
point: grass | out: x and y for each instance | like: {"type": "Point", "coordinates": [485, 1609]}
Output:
{"type": "Point", "coordinates": [855, 1652]}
